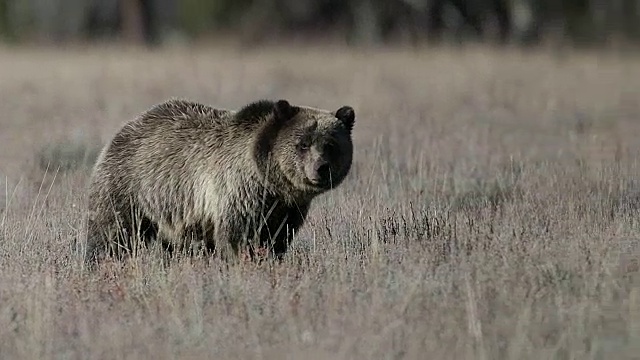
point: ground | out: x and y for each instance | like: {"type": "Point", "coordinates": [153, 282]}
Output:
{"type": "Point", "coordinates": [491, 211]}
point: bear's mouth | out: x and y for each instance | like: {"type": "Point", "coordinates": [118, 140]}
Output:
{"type": "Point", "coordinates": [320, 183]}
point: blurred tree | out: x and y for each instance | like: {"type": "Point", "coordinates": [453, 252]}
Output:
{"type": "Point", "coordinates": [202, 16]}
{"type": "Point", "coordinates": [133, 20]}
{"type": "Point", "coordinates": [137, 21]}
{"type": "Point", "coordinates": [102, 18]}
{"type": "Point", "coordinates": [360, 21]}
{"type": "Point", "coordinates": [376, 21]}
{"type": "Point", "coordinates": [142, 20]}
{"type": "Point", "coordinates": [4, 19]}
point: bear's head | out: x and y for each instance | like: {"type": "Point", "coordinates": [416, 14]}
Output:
{"type": "Point", "coordinates": [312, 147]}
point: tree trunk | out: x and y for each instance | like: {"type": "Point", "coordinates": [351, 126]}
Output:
{"type": "Point", "coordinates": [366, 24]}
{"type": "Point", "coordinates": [132, 21]}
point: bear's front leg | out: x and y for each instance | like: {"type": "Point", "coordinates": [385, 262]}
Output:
{"type": "Point", "coordinates": [225, 240]}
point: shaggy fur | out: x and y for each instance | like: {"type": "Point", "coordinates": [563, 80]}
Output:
{"type": "Point", "coordinates": [188, 175]}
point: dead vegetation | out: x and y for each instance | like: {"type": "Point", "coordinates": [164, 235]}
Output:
{"type": "Point", "coordinates": [492, 211]}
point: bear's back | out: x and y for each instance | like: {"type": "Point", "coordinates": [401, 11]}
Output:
{"type": "Point", "coordinates": [181, 113]}
{"type": "Point", "coordinates": [170, 126]}
{"type": "Point", "coordinates": [165, 141]}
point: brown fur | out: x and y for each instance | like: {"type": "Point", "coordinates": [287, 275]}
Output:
{"type": "Point", "coordinates": [186, 174]}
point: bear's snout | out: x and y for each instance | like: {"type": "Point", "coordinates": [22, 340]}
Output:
{"type": "Point", "coordinates": [318, 172]}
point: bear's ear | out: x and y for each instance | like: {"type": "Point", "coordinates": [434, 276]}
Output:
{"type": "Point", "coordinates": [347, 116]}
{"type": "Point", "coordinates": [283, 110]}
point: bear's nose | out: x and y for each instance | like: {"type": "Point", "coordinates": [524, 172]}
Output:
{"type": "Point", "coordinates": [324, 172]}
{"type": "Point", "coordinates": [319, 172]}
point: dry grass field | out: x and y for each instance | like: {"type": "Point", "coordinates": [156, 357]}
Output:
{"type": "Point", "coordinates": [492, 211]}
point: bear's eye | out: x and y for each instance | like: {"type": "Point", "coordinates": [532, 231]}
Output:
{"type": "Point", "coordinates": [330, 148]}
{"type": "Point", "coordinates": [304, 145]}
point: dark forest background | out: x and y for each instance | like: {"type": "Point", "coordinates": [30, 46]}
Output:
{"type": "Point", "coordinates": [356, 22]}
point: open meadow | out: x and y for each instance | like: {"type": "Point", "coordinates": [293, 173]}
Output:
{"type": "Point", "coordinates": [492, 210]}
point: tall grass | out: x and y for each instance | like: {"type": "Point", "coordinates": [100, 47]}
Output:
{"type": "Point", "coordinates": [491, 212]}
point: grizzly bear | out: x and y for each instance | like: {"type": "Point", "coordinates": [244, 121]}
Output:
{"type": "Point", "coordinates": [189, 176]}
